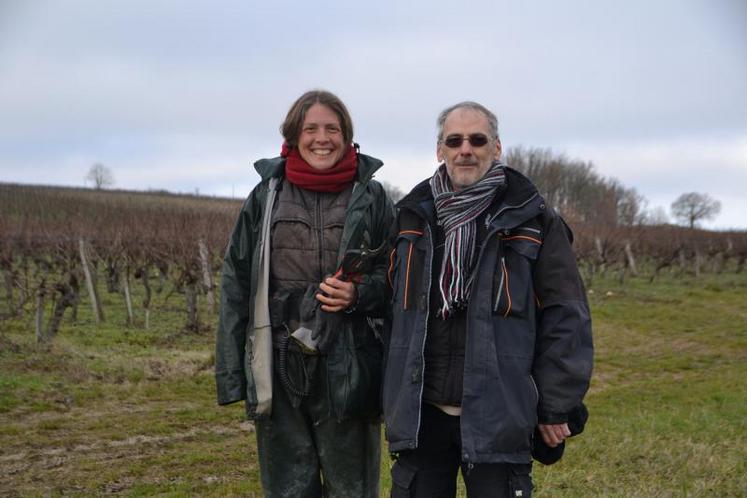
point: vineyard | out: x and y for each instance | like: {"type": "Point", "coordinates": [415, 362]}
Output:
{"type": "Point", "coordinates": [57, 243]}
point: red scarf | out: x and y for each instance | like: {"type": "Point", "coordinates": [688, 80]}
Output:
{"type": "Point", "coordinates": [335, 179]}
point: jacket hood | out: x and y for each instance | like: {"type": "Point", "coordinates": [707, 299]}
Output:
{"type": "Point", "coordinates": [275, 167]}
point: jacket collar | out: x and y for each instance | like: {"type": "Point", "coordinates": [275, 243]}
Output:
{"type": "Point", "coordinates": [420, 200]}
{"type": "Point", "coordinates": [520, 200]}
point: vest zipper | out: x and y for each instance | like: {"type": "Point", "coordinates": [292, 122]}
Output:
{"type": "Point", "coordinates": [320, 233]}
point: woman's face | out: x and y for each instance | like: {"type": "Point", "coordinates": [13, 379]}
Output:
{"type": "Point", "coordinates": [321, 143]}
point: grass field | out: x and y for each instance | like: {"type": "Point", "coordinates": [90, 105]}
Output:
{"type": "Point", "coordinates": [132, 412]}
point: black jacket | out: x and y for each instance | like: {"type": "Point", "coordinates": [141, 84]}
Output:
{"type": "Point", "coordinates": [528, 353]}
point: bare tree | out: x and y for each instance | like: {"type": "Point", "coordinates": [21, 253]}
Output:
{"type": "Point", "coordinates": [631, 206]}
{"type": "Point", "coordinates": [575, 189]}
{"type": "Point", "coordinates": [100, 176]}
{"type": "Point", "coordinates": [394, 192]}
{"type": "Point", "coordinates": [655, 216]}
{"type": "Point", "coordinates": [692, 207]}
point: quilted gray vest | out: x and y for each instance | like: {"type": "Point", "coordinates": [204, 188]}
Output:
{"type": "Point", "coordinates": [306, 231]}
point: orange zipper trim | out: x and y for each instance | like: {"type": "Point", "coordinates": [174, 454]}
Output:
{"type": "Point", "coordinates": [508, 294]}
{"type": "Point", "coordinates": [525, 237]}
{"type": "Point", "coordinates": [407, 275]}
{"type": "Point", "coordinates": [391, 268]}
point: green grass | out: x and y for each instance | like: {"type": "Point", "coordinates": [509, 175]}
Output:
{"type": "Point", "coordinates": [116, 409]}
{"type": "Point", "coordinates": [668, 396]}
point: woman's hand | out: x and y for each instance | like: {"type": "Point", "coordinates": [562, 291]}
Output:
{"type": "Point", "coordinates": [337, 294]}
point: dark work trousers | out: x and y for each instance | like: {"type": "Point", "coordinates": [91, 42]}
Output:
{"type": "Point", "coordinates": [430, 470]}
{"type": "Point", "coordinates": [304, 452]}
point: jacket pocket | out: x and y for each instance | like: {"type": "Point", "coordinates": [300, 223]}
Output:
{"type": "Point", "coordinates": [402, 477]}
{"type": "Point", "coordinates": [520, 480]}
{"type": "Point", "coordinates": [354, 373]}
{"type": "Point", "coordinates": [513, 289]}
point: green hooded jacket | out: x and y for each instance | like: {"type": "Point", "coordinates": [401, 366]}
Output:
{"type": "Point", "coordinates": [243, 353]}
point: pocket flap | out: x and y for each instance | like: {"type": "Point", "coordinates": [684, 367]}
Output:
{"type": "Point", "coordinates": [525, 245]}
{"type": "Point", "coordinates": [409, 235]}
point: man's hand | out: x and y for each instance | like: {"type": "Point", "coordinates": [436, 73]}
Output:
{"type": "Point", "coordinates": [338, 294]}
{"type": "Point", "coordinates": [554, 434]}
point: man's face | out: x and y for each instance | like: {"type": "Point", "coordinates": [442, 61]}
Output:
{"type": "Point", "coordinates": [467, 163]}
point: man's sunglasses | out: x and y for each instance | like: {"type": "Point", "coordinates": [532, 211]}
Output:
{"type": "Point", "coordinates": [475, 140]}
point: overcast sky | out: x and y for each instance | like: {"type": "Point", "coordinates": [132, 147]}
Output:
{"type": "Point", "coordinates": [186, 95]}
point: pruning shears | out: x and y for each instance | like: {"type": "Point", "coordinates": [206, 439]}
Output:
{"type": "Point", "coordinates": [357, 262]}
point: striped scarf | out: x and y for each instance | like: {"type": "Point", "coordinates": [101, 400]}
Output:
{"type": "Point", "coordinates": [456, 213]}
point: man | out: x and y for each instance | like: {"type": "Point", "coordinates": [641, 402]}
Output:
{"type": "Point", "coordinates": [491, 334]}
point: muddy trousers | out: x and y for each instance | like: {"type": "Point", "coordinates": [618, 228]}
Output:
{"type": "Point", "coordinates": [303, 452]}
{"type": "Point", "coordinates": [430, 470]}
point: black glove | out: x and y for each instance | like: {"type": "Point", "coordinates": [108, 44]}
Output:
{"type": "Point", "coordinates": [545, 454]}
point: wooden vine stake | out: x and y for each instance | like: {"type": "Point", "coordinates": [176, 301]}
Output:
{"type": "Point", "coordinates": [39, 317]}
{"type": "Point", "coordinates": [98, 313]}
{"type": "Point", "coordinates": [631, 259]}
{"type": "Point", "coordinates": [127, 295]}
{"type": "Point", "coordinates": [207, 275]}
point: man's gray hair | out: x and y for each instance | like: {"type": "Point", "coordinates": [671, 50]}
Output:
{"type": "Point", "coordinates": [468, 104]}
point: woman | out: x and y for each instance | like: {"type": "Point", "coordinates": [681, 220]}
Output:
{"type": "Point", "coordinates": [295, 338]}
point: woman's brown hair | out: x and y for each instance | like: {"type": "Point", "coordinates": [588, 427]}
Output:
{"type": "Point", "coordinates": [291, 127]}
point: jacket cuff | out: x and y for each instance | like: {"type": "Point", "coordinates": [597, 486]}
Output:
{"type": "Point", "coordinates": [363, 295]}
{"type": "Point", "coordinates": [576, 418]}
{"type": "Point", "coordinates": [354, 304]}
{"type": "Point", "coordinates": [230, 386]}
{"type": "Point", "coordinates": [546, 417]}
